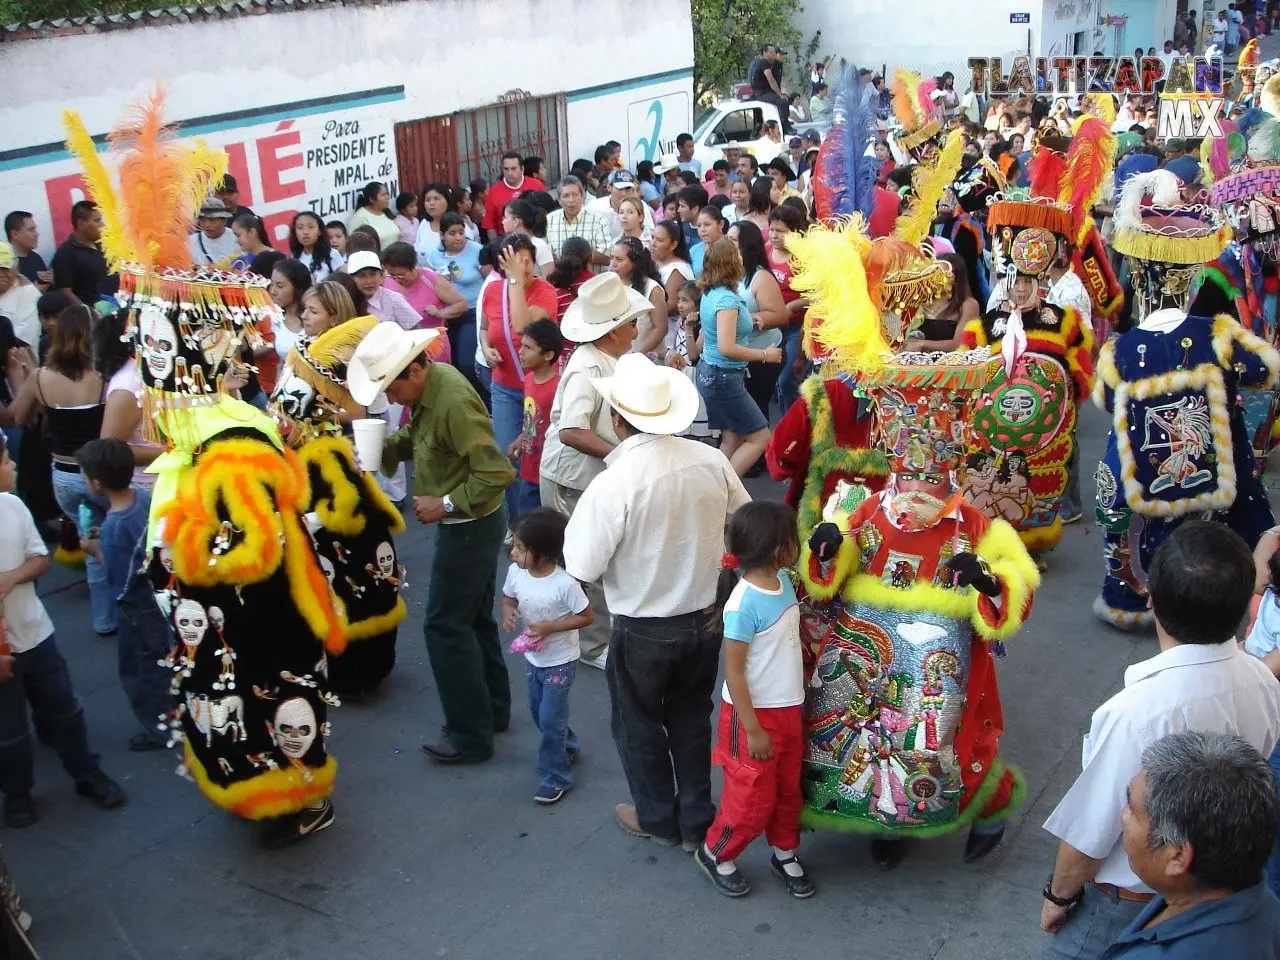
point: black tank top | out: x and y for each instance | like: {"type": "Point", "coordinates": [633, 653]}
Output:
{"type": "Point", "coordinates": [70, 428]}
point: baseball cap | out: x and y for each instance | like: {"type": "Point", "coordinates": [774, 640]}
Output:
{"type": "Point", "coordinates": [621, 179]}
{"type": "Point", "coordinates": [8, 259]}
{"type": "Point", "coordinates": [363, 260]}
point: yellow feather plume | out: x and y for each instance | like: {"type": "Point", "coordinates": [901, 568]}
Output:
{"type": "Point", "coordinates": [1269, 99]}
{"type": "Point", "coordinates": [930, 184]}
{"type": "Point", "coordinates": [906, 98]}
{"type": "Point", "coordinates": [842, 323]}
{"type": "Point", "coordinates": [1101, 105]}
{"type": "Point", "coordinates": [205, 166]}
{"type": "Point", "coordinates": [115, 241]}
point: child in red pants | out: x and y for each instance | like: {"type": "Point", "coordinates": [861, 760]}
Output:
{"type": "Point", "coordinates": [761, 737]}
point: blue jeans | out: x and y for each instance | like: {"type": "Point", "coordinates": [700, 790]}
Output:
{"type": "Point", "coordinates": [69, 490]}
{"type": "Point", "coordinates": [788, 382]}
{"type": "Point", "coordinates": [1092, 927]}
{"type": "Point", "coordinates": [462, 340]}
{"type": "Point", "coordinates": [1273, 865]}
{"type": "Point", "coordinates": [143, 641]}
{"type": "Point", "coordinates": [549, 704]}
{"type": "Point", "coordinates": [484, 377]}
{"type": "Point", "coordinates": [40, 678]}
{"type": "Point", "coordinates": [528, 497]}
{"type": "Point", "coordinates": [508, 419]}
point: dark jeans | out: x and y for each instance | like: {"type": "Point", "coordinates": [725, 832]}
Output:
{"type": "Point", "coordinates": [549, 703]}
{"type": "Point", "coordinates": [142, 643]}
{"type": "Point", "coordinates": [784, 108]}
{"type": "Point", "coordinates": [1273, 865]}
{"type": "Point", "coordinates": [1092, 927]}
{"type": "Point", "coordinates": [762, 379]}
{"type": "Point", "coordinates": [462, 344]}
{"type": "Point", "coordinates": [40, 678]}
{"type": "Point", "coordinates": [462, 634]}
{"type": "Point", "coordinates": [662, 678]}
{"type": "Point", "coordinates": [527, 498]}
{"type": "Point", "coordinates": [484, 377]}
{"type": "Point", "coordinates": [788, 381]}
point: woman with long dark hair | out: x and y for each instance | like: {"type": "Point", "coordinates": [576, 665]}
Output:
{"type": "Point", "coordinates": [631, 261]}
{"type": "Point", "coordinates": [944, 319]}
{"type": "Point", "coordinates": [407, 207]}
{"type": "Point", "coordinates": [522, 216]}
{"type": "Point", "coordinates": [760, 204]}
{"type": "Point", "coordinates": [289, 281]}
{"type": "Point", "coordinates": [761, 293]}
{"type": "Point", "coordinates": [784, 221]}
{"type": "Point", "coordinates": [374, 212]}
{"type": "Point", "coordinates": [438, 201]}
{"type": "Point", "coordinates": [670, 255]}
{"type": "Point", "coordinates": [113, 358]}
{"type": "Point", "coordinates": [72, 395]}
{"type": "Point", "coordinates": [309, 244]}
{"type": "Point", "coordinates": [251, 233]}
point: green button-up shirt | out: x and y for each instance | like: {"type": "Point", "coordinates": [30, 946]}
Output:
{"type": "Point", "coordinates": [450, 440]}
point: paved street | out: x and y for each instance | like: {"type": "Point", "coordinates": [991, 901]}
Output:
{"type": "Point", "coordinates": [425, 861]}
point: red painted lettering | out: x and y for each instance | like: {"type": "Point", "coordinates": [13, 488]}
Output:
{"type": "Point", "coordinates": [277, 226]}
{"type": "Point", "coordinates": [63, 193]}
{"type": "Point", "coordinates": [273, 162]}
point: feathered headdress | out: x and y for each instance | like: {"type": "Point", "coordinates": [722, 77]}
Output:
{"type": "Point", "coordinates": [163, 181]}
{"type": "Point", "coordinates": [845, 180]}
{"type": "Point", "coordinates": [1166, 232]}
{"type": "Point", "coordinates": [1045, 171]}
{"type": "Point", "coordinates": [930, 184]}
{"type": "Point", "coordinates": [842, 324]}
{"type": "Point", "coordinates": [913, 108]}
{"type": "Point", "coordinates": [1089, 160]}
{"type": "Point", "coordinates": [1101, 105]}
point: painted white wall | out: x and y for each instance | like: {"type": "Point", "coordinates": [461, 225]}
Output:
{"type": "Point", "coordinates": [261, 61]}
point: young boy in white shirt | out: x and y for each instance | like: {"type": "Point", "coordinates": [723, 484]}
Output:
{"type": "Point", "coordinates": [37, 674]}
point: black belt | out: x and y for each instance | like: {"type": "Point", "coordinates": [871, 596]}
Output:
{"type": "Point", "coordinates": [695, 617]}
{"type": "Point", "coordinates": [66, 467]}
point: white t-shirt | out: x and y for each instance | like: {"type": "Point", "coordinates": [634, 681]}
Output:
{"type": "Point", "coordinates": [26, 623]}
{"type": "Point", "coordinates": [493, 277]}
{"type": "Point", "coordinates": [19, 305]}
{"type": "Point", "coordinates": [543, 256]}
{"type": "Point", "coordinates": [321, 272]}
{"type": "Point", "coordinates": [768, 620]}
{"type": "Point", "coordinates": [1264, 638]}
{"type": "Point", "coordinates": [283, 338]}
{"type": "Point", "coordinates": [204, 250]}
{"type": "Point", "coordinates": [556, 596]}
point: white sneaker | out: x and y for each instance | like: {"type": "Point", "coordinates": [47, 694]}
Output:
{"type": "Point", "coordinates": [598, 662]}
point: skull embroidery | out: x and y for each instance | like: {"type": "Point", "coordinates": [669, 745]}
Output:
{"type": "Point", "coordinates": [295, 397]}
{"type": "Point", "coordinates": [217, 619]}
{"type": "Point", "coordinates": [295, 728]}
{"type": "Point", "coordinates": [159, 342]}
{"type": "Point", "coordinates": [386, 557]}
{"type": "Point", "coordinates": [1017, 406]}
{"type": "Point", "coordinates": [191, 622]}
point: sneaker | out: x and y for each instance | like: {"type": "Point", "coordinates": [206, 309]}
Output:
{"type": "Point", "coordinates": [19, 811]}
{"type": "Point", "coordinates": [296, 827]}
{"type": "Point", "coordinates": [549, 795]}
{"type": "Point", "coordinates": [102, 790]}
{"type": "Point", "coordinates": [800, 887]}
{"type": "Point", "coordinates": [141, 742]}
{"type": "Point", "coordinates": [598, 662]}
{"type": "Point", "coordinates": [1071, 517]}
{"type": "Point", "coordinates": [732, 884]}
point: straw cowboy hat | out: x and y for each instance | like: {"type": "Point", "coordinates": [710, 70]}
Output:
{"type": "Point", "coordinates": [381, 356]}
{"type": "Point", "coordinates": [651, 398]}
{"type": "Point", "coordinates": [604, 303]}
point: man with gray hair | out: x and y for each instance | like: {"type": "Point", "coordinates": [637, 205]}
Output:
{"type": "Point", "coordinates": [1199, 823]}
{"type": "Point", "coordinates": [574, 220]}
{"type": "Point", "coordinates": [1200, 583]}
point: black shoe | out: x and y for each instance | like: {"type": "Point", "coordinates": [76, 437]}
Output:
{"type": "Point", "coordinates": [980, 844]}
{"type": "Point", "coordinates": [549, 795]}
{"type": "Point", "coordinates": [800, 887]}
{"type": "Point", "coordinates": [142, 742]}
{"type": "Point", "coordinates": [888, 851]}
{"type": "Point", "coordinates": [296, 827]}
{"type": "Point", "coordinates": [443, 751]}
{"type": "Point", "coordinates": [731, 885]}
{"type": "Point", "coordinates": [102, 790]}
{"type": "Point", "coordinates": [19, 811]}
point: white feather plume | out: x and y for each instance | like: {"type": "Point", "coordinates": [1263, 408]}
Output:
{"type": "Point", "coordinates": [1160, 185]}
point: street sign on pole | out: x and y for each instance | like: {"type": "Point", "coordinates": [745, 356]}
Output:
{"type": "Point", "coordinates": [1019, 18]}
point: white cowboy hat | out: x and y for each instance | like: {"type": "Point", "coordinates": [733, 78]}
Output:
{"type": "Point", "coordinates": [385, 351]}
{"type": "Point", "coordinates": [651, 398]}
{"type": "Point", "coordinates": [604, 303]}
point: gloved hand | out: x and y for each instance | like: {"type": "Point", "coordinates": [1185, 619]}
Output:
{"type": "Point", "coordinates": [825, 541]}
{"type": "Point", "coordinates": [967, 570]}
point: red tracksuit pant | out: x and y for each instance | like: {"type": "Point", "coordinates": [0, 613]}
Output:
{"type": "Point", "coordinates": [759, 796]}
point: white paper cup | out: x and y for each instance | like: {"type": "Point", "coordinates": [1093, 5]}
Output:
{"type": "Point", "coordinates": [368, 436]}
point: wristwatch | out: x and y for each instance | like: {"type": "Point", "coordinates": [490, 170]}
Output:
{"type": "Point", "coordinates": [447, 502]}
{"type": "Point", "coordinates": [1060, 901]}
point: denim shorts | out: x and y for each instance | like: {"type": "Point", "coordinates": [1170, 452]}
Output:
{"type": "Point", "coordinates": [729, 406]}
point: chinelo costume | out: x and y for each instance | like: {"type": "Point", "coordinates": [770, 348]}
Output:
{"type": "Point", "coordinates": [353, 521]}
{"type": "Point", "coordinates": [231, 559]}
{"type": "Point", "coordinates": [907, 594]}
{"type": "Point", "coordinates": [1178, 446]}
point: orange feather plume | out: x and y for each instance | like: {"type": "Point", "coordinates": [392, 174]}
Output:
{"type": "Point", "coordinates": [162, 182]}
{"type": "Point", "coordinates": [906, 97]}
{"type": "Point", "coordinates": [1091, 157]}
{"type": "Point", "coordinates": [1045, 172]}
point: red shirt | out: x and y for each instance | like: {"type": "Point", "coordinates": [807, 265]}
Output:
{"type": "Point", "coordinates": [537, 413]}
{"type": "Point", "coordinates": [565, 297]}
{"type": "Point", "coordinates": [884, 212]}
{"type": "Point", "coordinates": [539, 293]}
{"type": "Point", "coordinates": [500, 194]}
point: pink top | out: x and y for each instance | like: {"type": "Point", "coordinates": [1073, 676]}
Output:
{"type": "Point", "coordinates": [129, 380]}
{"type": "Point", "coordinates": [416, 298]}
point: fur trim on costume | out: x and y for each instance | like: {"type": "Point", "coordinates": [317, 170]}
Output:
{"type": "Point", "coordinates": [69, 558]}
{"type": "Point", "coordinates": [1039, 539]}
{"type": "Point", "coordinates": [1107, 375]}
{"type": "Point", "coordinates": [1122, 619]}
{"type": "Point", "coordinates": [973, 335]}
{"type": "Point", "coordinates": [822, 588]}
{"type": "Point", "coordinates": [374, 626]}
{"type": "Point", "coordinates": [1017, 796]}
{"type": "Point", "coordinates": [1010, 564]}
{"type": "Point", "coordinates": [824, 820]}
{"type": "Point", "coordinates": [1207, 379]}
{"type": "Point", "coordinates": [273, 793]}
{"type": "Point", "coordinates": [339, 512]}
{"type": "Point", "coordinates": [1227, 331]}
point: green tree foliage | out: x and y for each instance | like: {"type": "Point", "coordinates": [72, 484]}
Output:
{"type": "Point", "coordinates": [24, 11]}
{"type": "Point", "coordinates": [727, 34]}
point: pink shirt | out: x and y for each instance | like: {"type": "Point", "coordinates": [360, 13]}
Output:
{"type": "Point", "coordinates": [405, 307]}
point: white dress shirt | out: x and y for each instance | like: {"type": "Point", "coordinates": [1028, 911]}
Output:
{"type": "Point", "coordinates": [1216, 688]}
{"type": "Point", "coordinates": [652, 526]}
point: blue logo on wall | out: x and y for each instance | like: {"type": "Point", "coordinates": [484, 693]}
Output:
{"type": "Point", "coordinates": [649, 144]}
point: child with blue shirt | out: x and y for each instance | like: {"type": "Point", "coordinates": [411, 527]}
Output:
{"type": "Point", "coordinates": [554, 608]}
{"type": "Point", "coordinates": [760, 741]}
{"type": "Point", "coordinates": [144, 638]}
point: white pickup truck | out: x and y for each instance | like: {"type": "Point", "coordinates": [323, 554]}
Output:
{"type": "Point", "coordinates": [741, 121]}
